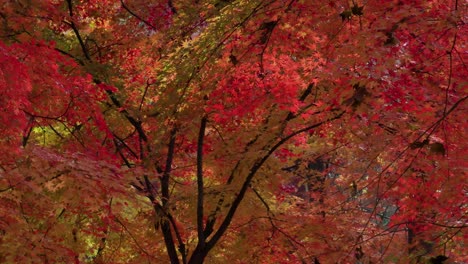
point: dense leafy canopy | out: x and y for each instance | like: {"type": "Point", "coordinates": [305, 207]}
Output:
{"type": "Point", "coordinates": [244, 130]}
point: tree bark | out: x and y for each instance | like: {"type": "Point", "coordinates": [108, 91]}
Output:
{"type": "Point", "coordinates": [198, 256]}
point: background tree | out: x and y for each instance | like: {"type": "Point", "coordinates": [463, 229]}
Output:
{"type": "Point", "coordinates": [255, 131]}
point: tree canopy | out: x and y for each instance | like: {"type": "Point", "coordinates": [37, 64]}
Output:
{"type": "Point", "coordinates": [249, 131]}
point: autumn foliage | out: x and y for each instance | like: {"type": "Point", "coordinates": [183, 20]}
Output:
{"type": "Point", "coordinates": [233, 131]}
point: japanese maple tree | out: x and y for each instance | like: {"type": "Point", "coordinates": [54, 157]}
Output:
{"type": "Point", "coordinates": [247, 131]}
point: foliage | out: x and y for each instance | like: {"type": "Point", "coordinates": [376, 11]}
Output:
{"type": "Point", "coordinates": [250, 131]}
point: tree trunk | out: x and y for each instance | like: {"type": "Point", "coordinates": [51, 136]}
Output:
{"type": "Point", "coordinates": [198, 256]}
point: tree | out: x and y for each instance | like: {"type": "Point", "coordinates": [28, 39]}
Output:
{"type": "Point", "coordinates": [255, 131]}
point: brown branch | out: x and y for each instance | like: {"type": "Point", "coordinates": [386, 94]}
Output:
{"type": "Point", "coordinates": [291, 240]}
{"type": "Point", "coordinates": [80, 62]}
{"type": "Point", "coordinates": [268, 28]}
{"type": "Point", "coordinates": [169, 241]}
{"type": "Point", "coordinates": [429, 130]}
{"type": "Point", "coordinates": [137, 16]}
{"type": "Point", "coordinates": [213, 216]}
{"type": "Point", "coordinates": [304, 95]}
{"type": "Point", "coordinates": [201, 136]}
{"type": "Point", "coordinates": [198, 67]}
{"type": "Point", "coordinates": [29, 131]}
{"type": "Point", "coordinates": [253, 170]}
{"type": "Point", "coordinates": [263, 201]}
{"type": "Point", "coordinates": [76, 31]}
{"type": "Point", "coordinates": [165, 225]}
{"type": "Point", "coordinates": [133, 237]}
{"type": "Point", "coordinates": [136, 123]}
{"type": "Point", "coordinates": [450, 54]}
{"type": "Point", "coordinates": [144, 94]}
{"type": "Point", "coordinates": [161, 218]}
{"type": "Point", "coordinates": [182, 249]}
{"type": "Point", "coordinates": [102, 243]}
{"type": "Point", "coordinates": [120, 143]}
{"type": "Point", "coordinates": [168, 169]}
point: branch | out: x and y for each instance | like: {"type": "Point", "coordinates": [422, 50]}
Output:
{"type": "Point", "coordinates": [144, 94]}
{"type": "Point", "coordinates": [161, 218]}
{"type": "Point", "coordinates": [137, 16]}
{"type": "Point", "coordinates": [29, 131]}
{"type": "Point", "coordinates": [436, 124]}
{"type": "Point", "coordinates": [253, 170]}
{"type": "Point", "coordinates": [75, 30]}
{"type": "Point", "coordinates": [165, 226]}
{"type": "Point", "coordinates": [182, 249]}
{"type": "Point", "coordinates": [263, 201]}
{"type": "Point", "coordinates": [304, 95]}
{"type": "Point", "coordinates": [268, 28]}
{"type": "Point", "coordinates": [169, 241]}
{"type": "Point", "coordinates": [213, 216]}
{"type": "Point", "coordinates": [80, 62]}
{"type": "Point", "coordinates": [133, 238]}
{"type": "Point", "coordinates": [201, 135]}
{"type": "Point", "coordinates": [120, 142]}
{"type": "Point", "coordinates": [167, 170]}
{"type": "Point", "coordinates": [102, 243]}
{"type": "Point", "coordinates": [291, 240]}
{"type": "Point", "coordinates": [136, 123]}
